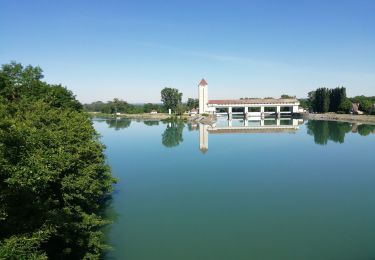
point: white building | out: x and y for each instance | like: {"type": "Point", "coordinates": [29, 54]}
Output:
{"type": "Point", "coordinates": [247, 107]}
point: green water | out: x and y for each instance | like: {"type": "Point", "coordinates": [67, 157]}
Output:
{"type": "Point", "coordinates": [304, 194]}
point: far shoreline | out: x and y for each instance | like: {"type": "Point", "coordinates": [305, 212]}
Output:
{"type": "Point", "coordinates": [349, 118]}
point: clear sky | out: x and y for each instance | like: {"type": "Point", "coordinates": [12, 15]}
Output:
{"type": "Point", "coordinates": [131, 49]}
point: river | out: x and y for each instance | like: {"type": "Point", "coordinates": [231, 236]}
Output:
{"type": "Point", "coordinates": [241, 190]}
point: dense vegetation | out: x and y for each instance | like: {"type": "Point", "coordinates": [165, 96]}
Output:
{"type": "Point", "coordinates": [325, 100]}
{"type": "Point", "coordinates": [120, 106]}
{"type": "Point", "coordinates": [170, 97]}
{"type": "Point", "coordinates": [53, 176]}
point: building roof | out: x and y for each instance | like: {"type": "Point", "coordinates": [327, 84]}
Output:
{"type": "Point", "coordinates": [203, 83]}
{"type": "Point", "coordinates": [252, 101]}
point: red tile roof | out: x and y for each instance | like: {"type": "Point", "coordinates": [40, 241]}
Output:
{"type": "Point", "coordinates": [252, 101]}
{"type": "Point", "coordinates": [203, 83]}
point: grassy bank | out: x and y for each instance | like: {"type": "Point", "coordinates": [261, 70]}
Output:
{"type": "Point", "coordinates": [160, 116]}
{"type": "Point", "coordinates": [366, 119]}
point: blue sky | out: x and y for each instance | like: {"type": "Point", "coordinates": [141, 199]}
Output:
{"type": "Point", "coordinates": [132, 49]}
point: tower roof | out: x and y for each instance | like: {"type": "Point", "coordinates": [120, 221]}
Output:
{"type": "Point", "coordinates": [203, 83]}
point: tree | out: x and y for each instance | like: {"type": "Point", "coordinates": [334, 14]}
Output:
{"type": "Point", "coordinates": [366, 105]}
{"type": "Point", "coordinates": [336, 98]}
{"type": "Point", "coordinates": [192, 103]}
{"type": "Point", "coordinates": [285, 96]}
{"type": "Point", "coordinates": [311, 100]}
{"type": "Point", "coordinates": [180, 109]}
{"type": "Point", "coordinates": [53, 174]}
{"type": "Point", "coordinates": [345, 106]}
{"type": "Point", "coordinates": [171, 98]}
{"type": "Point", "coordinates": [322, 100]}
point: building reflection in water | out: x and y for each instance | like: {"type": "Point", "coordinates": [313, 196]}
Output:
{"type": "Point", "coordinates": [254, 125]}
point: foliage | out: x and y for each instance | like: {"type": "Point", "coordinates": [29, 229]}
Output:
{"type": "Point", "coordinates": [345, 106]}
{"type": "Point", "coordinates": [120, 106]}
{"type": "Point", "coordinates": [53, 176]}
{"type": "Point", "coordinates": [336, 97]}
{"type": "Point", "coordinates": [171, 97]}
{"type": "Point", "coordinates": [180, 109]}
{"type": "Point", "coordinates": [322, 100]}
{"type": "Point", "coordinates": [366, 106]}
{"type": "Point", "coordinates": [192, 103]}
{"type": "Point", "coordinates": [285, 96]}
{"type": "Point", "coordinates": [325, 100]}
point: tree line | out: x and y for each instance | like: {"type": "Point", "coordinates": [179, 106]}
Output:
{"type": "Point", "coordinates": [54, 180]}
{"type": "Point", "coordinates": [335, 100]}
{"type": "Point", "coordinates": [171, 99]}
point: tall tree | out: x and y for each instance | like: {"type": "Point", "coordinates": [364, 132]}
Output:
{"type": "Point", "coordinates": [322, 100]}
{"type": "Point", "coordinates": [171, 97]}
{"type": "Point", "coordinates": [337, 97]}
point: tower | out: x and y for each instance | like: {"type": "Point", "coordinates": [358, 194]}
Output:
{"type": "Point", "coordinates": [203, 96]}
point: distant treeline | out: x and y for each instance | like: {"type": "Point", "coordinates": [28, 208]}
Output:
{"type": "Point", "coordinates": [335, 100]}
{"type": "Point", "coordinates": [121, 106]}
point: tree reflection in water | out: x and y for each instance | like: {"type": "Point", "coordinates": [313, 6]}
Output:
{"type": "Point", "coordinates": [118, 124]}
{"type": "Point", "coordinates": [172, 135]}
{"type": "Point", "coordinates": [323, 131]}
{"type": "Point", "coordinates": [151, 123]}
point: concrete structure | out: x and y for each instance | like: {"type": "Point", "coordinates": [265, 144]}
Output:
{"type": "Point", "coordinates": [247, 107]}
{"type": "Point", "coordinates": [247, 126]}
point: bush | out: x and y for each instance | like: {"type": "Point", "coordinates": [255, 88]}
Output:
{"type": "Point", "coordinates": [53, 175]}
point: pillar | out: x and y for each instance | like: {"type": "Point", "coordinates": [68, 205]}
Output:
{"type": "Point", "coordinates": [229, 113]}
{"type": "Point", "coordinates": [295, 109]}
{"type": "Point", "coordinates": [262, 112]}
{"type": "Point", "coordinates": [246, 113]}
{"type": "Point", "coordinates": [278, 111]}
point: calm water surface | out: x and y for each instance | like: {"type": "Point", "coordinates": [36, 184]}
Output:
{"type": "Point", "coordinates": [298, 192]}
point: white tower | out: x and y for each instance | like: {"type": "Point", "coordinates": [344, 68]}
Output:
{"type": "Point", "coordinates": [203, 96]}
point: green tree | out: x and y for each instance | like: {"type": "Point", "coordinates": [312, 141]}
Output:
{"type": "Point", "coordinates": [336, 98]}
{"type": "Point", "coordinates": [322, 100]}
{"type": "Point", "coordinates": [345, 106]}
{"type": "Point", "coordinates": [365, 105]}
{"type": "Point", "coordinates": [192, 103]}
{"type": "Point", "coordinates": [171, 97]}
{"type": "Point", "coordinates": [285, 96]}
{"type": "Point", "coordinates": [53, 175]}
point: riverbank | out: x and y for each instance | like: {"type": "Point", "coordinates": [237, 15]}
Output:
{"type": "Point", "coordinates": [159, 116]}
{"type": "Point", "coordinates": [350, 118]}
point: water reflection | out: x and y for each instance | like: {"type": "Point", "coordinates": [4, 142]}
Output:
{"type": "Point", "coordinates": [324, 131]}
{"type": "Point", "coordinates": [118, 124]}
{"type": "Point", "coordinates": [172, 135]}
{"type": "Point", "coordinates": [269, 125]}
{"type": "Point", "coordinates": [151, 123]}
